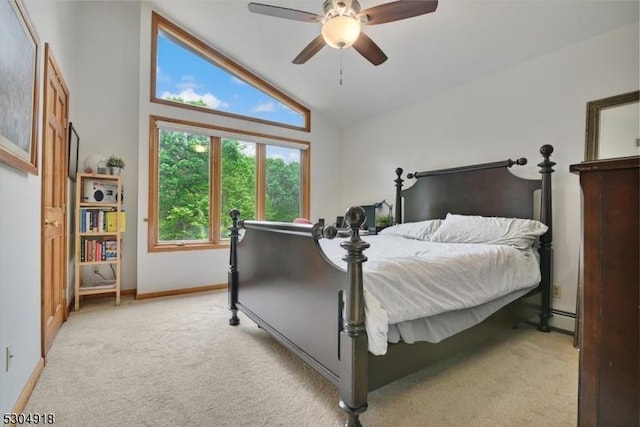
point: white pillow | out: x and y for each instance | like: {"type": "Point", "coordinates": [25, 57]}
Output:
{"type": "Point", "coordinates": [516, 232]}
{"type": "Point", "coordinates": [421, 230]}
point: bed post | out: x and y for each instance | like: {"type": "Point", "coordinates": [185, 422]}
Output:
{"type": "Point", "coordinates": [354, 345]}
{"type": "Point", "coordinates": [399, 182]}
{"type": "Point", "coordinates": [232, 278]}
{"type": "Point", "coordinates": [545, 249]}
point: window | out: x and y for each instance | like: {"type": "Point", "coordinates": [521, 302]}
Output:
{"type": "Point", "coordinates": [282, 184]}
{"type": "Point", "coordinates": [184, 181]}
{"type": "Point", "coordinates": [198, 173]}
{"type": "Point", "coordinates": [187, 73]}
{"type": "Point", "coordinates": [238, 181]}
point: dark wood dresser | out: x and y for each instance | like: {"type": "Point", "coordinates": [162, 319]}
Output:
{"type": "Point", "coordinates": [608, 393]}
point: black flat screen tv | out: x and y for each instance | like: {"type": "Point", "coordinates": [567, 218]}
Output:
{"type": "Point", "coordinates": [370, 220]}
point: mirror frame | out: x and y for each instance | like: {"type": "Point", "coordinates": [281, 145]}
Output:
{"type": "Point", "coordinates": [591, 145]}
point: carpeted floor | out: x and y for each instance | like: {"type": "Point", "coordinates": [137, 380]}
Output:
{"type": "Point", "coordinates": [176, 362]}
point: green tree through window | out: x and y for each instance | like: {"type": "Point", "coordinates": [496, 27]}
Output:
{"type": "Point", "coordinates": [283, 184]}
{"type": "Point", "coordinates": [238, 182]}
{"type": "Point", "coordinates": [186, 179]}
{"type": "Point", "coordinates": [183, 200]}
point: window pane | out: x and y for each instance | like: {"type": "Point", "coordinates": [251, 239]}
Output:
{"type": "Point", "coordinates": [283, 183]}
{"type": "Point", "coordinates": [238, 181]}
{"type": "Point", "coordinates": [184, 187]}
{"type": "Point", "coordinates": [184, 76]}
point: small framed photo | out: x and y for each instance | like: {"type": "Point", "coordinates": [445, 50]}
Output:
{"type": "Point", "coordinates": [74, 145]}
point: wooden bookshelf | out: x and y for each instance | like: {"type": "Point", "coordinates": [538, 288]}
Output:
{"type": "Point", "coordinates": [99, 224]}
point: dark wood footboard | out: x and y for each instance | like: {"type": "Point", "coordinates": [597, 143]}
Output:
{"type": "Point", "coordinates": [280, 278]}
{"type": "Point", "coordinates": [307, 303]}
{"type": "Point", "coordinates": [297, 301]}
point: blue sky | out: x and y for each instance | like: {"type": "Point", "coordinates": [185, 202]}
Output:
{"type": "Point", "coordinates": [288, 155]}
{"type": "Point", "coordinates": [185, 74]}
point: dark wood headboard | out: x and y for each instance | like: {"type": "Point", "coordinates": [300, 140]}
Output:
{"type": "Point", "coordinates": [487, 189]}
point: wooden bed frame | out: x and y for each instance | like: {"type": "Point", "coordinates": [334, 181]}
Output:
{"type": "Point", "coordinates": [280, 278]}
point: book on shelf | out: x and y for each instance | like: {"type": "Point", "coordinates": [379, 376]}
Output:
{"type": "Point", "coordinates": [93, 250]}
{"type": "Point", "coordinates": [100, 220]}
{"type": "Point", "coordinates": [112, 221]}
{"type": "Point", "coordinates": [110, 250]}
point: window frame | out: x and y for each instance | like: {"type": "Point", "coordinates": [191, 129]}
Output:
{"type": "Point", "coordinates": [210, 54]}
{"type": "Point", "coordinates": [216, 134]}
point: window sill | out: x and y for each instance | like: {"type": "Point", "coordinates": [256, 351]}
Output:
{"type": "Point", "coordinates": [174, 247]}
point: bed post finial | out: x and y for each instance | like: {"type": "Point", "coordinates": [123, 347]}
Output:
{"type": "Point", "coordinates": [353, 337]}
{"type": "Point", "coordinates": [399, 182]}
{"type": "Point", "coordinates": [546, 249]}
{"type": "Point", "coordinates": [232, 278]}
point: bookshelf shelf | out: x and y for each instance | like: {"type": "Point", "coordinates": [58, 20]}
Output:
{"type": "Point", "coordinates": [98, 262]}
{"type": "Point", "coordinates": [99, 224]}
{"type": "Point", "coordinates": [92, 290]}
{"type": "Point", "coordinates": [98, 205]}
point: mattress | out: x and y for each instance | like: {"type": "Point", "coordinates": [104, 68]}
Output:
{"type": "Point", "coordinates": [417, 290]}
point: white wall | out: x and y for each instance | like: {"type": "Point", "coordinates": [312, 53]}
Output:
{"type": "Point", "coordinates": [509, 114]}
{"type": "Point", "coordinates": [20, 224]}
{"type": "Point", "coordinates": [104, 102]}
{"type": "Point", "coordinates": [162, 271]}
{"type": "Point", "coordinates": [19, 280]}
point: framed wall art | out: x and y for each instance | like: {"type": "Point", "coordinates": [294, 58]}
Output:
{"type": "Point", "coordinates": [74, 145]}
{"type": "Point", "coordinates": [18, 87]}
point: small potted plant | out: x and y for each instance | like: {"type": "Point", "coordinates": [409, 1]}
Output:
{"type": "Point", "coordinates": [115, 165]}
{"type": "Point", "coordinates": [383, 222]}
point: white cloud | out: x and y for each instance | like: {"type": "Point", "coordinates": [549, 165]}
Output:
{"type": "Point", "coordinates": [266, 107]}
{"type": "Point", "coordinates": [238, 81]}
{"type": "Point", "coordinates": [289, 109]}
{"type": "Point", "coordinates": [287, 155]}
{"type": "Point", "coordinates": [161, 77]}
{"type": "Point", "coordinates": [248, 148]}
{"type": "Point", "coordinates": [190, 95]}
{"type": "Point", "coordinates": [188, 82]}
{"type": "Point", "coordinates": [294, 156]}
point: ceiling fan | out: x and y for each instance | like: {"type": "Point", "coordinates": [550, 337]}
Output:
{"type": "Point", "coordinates": [342, 24]}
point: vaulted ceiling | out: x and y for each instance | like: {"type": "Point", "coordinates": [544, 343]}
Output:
{"type": "Point", "coordinates": [463, 40]}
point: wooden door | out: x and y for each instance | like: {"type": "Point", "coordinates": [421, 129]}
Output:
{"type": "Point", "coordinates": [54, 201]}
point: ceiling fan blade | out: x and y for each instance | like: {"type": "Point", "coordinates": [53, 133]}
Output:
{"type": "Point", "coordinates": [369, 49]}
{"type": "Point", "coordinates": [310, 50]}
{"type": "Point", "coordinates": [284, 12]}
{"type": "Point", "coordinates": [396, 11]}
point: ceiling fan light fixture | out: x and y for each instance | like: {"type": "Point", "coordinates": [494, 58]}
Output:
{"type": "Point", "coordinates": [341, 31]}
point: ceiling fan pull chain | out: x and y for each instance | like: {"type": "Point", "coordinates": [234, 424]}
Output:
{"type": "Point", "coordinates": [340, 67]}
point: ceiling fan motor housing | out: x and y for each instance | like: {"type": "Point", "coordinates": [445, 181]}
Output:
{"type": "Point", "coordinates": [340, 7]}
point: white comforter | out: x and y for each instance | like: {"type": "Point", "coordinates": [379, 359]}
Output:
{"type": "Point", "coordinates": [418, 290]}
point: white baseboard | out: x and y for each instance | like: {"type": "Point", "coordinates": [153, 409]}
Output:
{"type": "Point", "coordinates": [562, 320]}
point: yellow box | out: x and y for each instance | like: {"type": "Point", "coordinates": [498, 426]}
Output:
{"type": "Point", "coordinates": [112, 225]}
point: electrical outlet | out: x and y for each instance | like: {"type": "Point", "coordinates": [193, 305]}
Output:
{"type": "Point", "coordinates": [8, 356]}
{"type": "Point", "coordinates": [557, 291]}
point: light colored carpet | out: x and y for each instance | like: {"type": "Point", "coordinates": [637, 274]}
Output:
{"type": "Point", "coordinates": [176, 362]}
